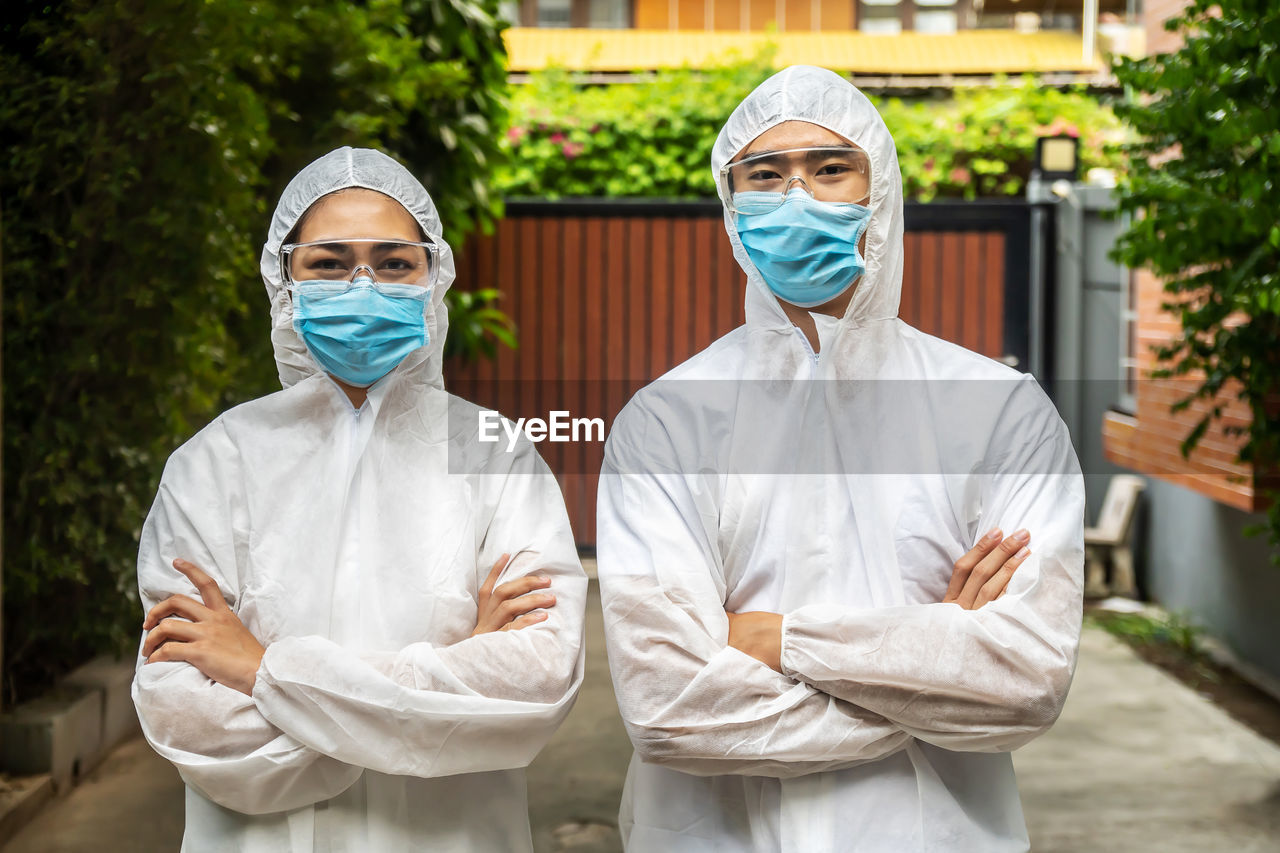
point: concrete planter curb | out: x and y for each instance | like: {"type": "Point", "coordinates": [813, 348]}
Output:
{"type": "Point", "coordinates": [113, 681]}
{"type": "Point", "coordinates": [20, 801]}
{"type": "Point", "coordinates": [66, 732]}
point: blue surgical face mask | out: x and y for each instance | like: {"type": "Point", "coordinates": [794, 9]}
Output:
{"type": "Point", "coordinates": [359, 332]}
{"type": "Point", "coordinates": [806, 250]}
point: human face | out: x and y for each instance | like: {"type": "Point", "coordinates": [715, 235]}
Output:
{"type": "Point", "coordinates": [351, 215]}
{"type": "Point", "coordinates": [802, 134]}
{"type": "Point", "coordinates": [795, 153]}
{"type": "Point", "coordinates": [355, 228]}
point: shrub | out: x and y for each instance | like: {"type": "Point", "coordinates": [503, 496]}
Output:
{"type": "Point", "coordinates": [980, 142]}
{"type": "Point", "coordinates": [654, 138]}
{"type": "Point", "coordinates": [649, 138]}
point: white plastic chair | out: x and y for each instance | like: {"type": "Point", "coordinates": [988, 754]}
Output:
{"type": "Point", "coordinates": [1112, 538]}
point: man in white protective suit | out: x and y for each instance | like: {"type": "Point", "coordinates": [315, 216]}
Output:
{"type": "Point", "coordinates": [362, 624]}
{"type": "Point", "coordinates": [840, 560]}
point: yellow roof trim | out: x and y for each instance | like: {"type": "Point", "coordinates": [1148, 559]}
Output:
{"type": "Point", "coordinates": [965, 52]}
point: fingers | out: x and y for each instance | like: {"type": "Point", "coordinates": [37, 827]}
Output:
{"type": "Point", "coordinates": [176, 605]}
{"type": "Point", "coordinates": [487, 587]}
{"type": "Point", "coordinates": [521, 586]}
{"type": "Point", "coordinates": [990, 565]}
{"type": "Point", "coordinates": [205, 585]}
{"type": "Point", "coordinates": [966, 564]}
{"type": "Point", "coordinates": [177, 650]}
{"type": "Point", "coordinates": [515, 607]}
{"type": "Point", "coordinates": [525, 621]}
{"type": "Point", "coordinates": [994, 588]}
{"type": "Point", "coordinates": [169, 629]}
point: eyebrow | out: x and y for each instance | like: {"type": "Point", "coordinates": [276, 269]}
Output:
{"type": "Point", "coordinates": [812, 155]}
{"type": "Point", "coordinates": [344, 247]}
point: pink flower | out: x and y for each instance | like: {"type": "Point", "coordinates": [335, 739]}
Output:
{"type": "Point", "coordinates": [515, 134]}
{"type": "Point", "coordinates": [1058, 127]}
{"type": "Point", "coordinates": [557, 138]}
{"type": "Point", "coordinates": [572, 149]}
{"type": "Point", "coordinates": [959, 127]}
{"type": "Point", "coordinates": [929, 164]}
{"type": "Point", "coordinates": [959, 176]}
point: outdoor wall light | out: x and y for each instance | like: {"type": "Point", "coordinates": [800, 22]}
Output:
{"type": "Point", "coordinates": [1057, 157]}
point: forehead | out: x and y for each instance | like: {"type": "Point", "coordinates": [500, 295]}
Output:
{"type": "Point", "coordinates": [357, 212]}
{"type": "Point", "coordinates": [791, 134]}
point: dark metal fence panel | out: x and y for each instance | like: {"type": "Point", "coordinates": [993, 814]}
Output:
{"type": "Point", "coordinates": [609, 295]}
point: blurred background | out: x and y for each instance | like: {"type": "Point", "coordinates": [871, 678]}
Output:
{"type": "Point", "coordinates": [1091, 199]}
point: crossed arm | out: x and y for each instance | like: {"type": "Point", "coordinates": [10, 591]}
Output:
{"type": "Point", "coordinates": [209, 636]}
{"type": "Point", "coordinates": [261, 726]}
{"type": "Point", "coordinates": [838, 686]}
{"type": "Point", "coordinates": [981, 576]}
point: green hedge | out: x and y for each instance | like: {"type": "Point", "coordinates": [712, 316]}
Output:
{"type": "Point", "coordinates": [654, 138]}
{"type": "Point", "coordinates": [143, 147]}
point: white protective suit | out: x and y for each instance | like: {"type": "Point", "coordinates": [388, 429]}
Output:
{"type": "Point", "coordinates": [837, 489]}
{"type": "Point", "coordinates": [352, 545]}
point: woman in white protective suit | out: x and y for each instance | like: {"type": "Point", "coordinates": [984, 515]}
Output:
{"type": "Point", "coordinates": [339, 653]}
{"type": "Point", "coordinates": [820, 636]}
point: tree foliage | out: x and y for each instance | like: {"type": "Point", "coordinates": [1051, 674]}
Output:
{"type": "Point", "coordinates": [1204, 186]}
{"type": "Point", "coordinates": [654, 138]}
{"type": "Point", "coordinates": [144, 144]}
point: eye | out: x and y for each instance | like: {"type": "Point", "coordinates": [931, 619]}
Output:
{"type": "Point", "coordinates": [835, 170]}
{"type": "Point", "coordinates": [763, 174]}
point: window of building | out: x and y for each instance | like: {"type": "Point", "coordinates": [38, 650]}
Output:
{"type": "Point", "coordinates": [1128, 396]}
{"type": "Point", "coordinates": [555, 13]}
{"type": "Point", "coordinates": [880, 17]}
{"type": "Point", "coordinates": [614, 14]}
{"type": "Point", "coordinates": [574, 13]}
{"type": "Point", "coordinates": [935, 21]}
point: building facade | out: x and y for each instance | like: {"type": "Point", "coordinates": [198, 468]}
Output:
{"type": "Point", "coordinates": [878, 17]}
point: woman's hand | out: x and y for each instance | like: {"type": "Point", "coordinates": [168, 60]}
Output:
{"type": "Point", "coordinates": [982, 575]}
{"type": "Point", "coordinates": [514, 605]}
{"type": "Point", "coordinates": [213, 640]}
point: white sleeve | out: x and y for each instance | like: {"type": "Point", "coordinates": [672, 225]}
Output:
{"type": "Point", "coordinates": [689, 700]}
{"type": "Point", "coordinates": [985, 680]}
{"type": "Point", "coordinates": [214, 735]}
{"type": "Point", "coordinates": [486, 703]}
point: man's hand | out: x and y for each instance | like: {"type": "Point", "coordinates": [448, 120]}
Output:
{"type": "Point", "coordinates": [514, 605]}
{"type": "Point", "coordinates": [982, 574]}
{"type": "Point", "coordinates": [759, 634]}
{"type": "Point", "coordinates": [213, 640]}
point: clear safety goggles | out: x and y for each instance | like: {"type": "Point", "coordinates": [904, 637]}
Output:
{"type": "Point", "coordinates": [393, 262]}
{"type": "Point", "coordinates": [760, 183]}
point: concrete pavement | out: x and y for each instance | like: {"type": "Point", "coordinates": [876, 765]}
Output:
{"type": "Point", "coordinates": [1138, 762]}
